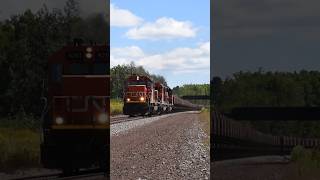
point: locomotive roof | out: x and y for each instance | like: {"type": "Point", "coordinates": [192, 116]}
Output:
{"type": "Point", "coordinates": [142, 77]}
{"type": "Point", "coordinates": [160, 84]}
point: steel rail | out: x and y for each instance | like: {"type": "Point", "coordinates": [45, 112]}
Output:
{"type": "Point", "coordinates": [61, 176]}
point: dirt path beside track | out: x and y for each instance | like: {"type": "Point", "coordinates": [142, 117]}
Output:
{"type": "Point", "coordinates": [255, 168]}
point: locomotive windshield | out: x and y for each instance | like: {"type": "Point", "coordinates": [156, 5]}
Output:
{"type": "Point", "coordinates": [74, 55]}
{"type": "Point", "coordinates": [140, 82]}
{"type": "Point", "coordinates": [100, 68]}
{"type": "Point", "coordinates": [86, 69]}
{"type": "Point", "coordinates": [132, 83]}
{"type": "Point", "coordinates": [56, 72]}
{"type": "Point", "coordinates": [77, 69]}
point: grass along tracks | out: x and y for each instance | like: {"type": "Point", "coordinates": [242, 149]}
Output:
{"type": "Point", "coordinates": [204, 119]}
{"type": "Point", "coordinates": [116, 106]}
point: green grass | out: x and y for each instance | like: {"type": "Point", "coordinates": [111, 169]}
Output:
{"type": "Point", "coordinates": [116, 106]}
{"type": "Point", "coordinates": [205, 124]}
{"type": "Point", "coordinates": [306, 163]}
{"type": "Point", "coordinates": [19, 148]}
{"type": "Point", "coordinates": [19, 142]}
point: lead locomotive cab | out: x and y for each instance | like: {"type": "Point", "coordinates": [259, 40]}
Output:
{"type": "Point", "coordinates": [140, 96]}
{"type": "Point", "coordinates": [76, 117]}
{"type": "Point", "coordinates": [144, 97]}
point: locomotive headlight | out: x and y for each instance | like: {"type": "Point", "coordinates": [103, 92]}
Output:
{"type": "Point", "coordinates": [103, 118]}
{"type": "Point", "coordinates": [88, 55]}
{"type": "Point", "coordinates": [128, 99]}
{"type": "Point", "coordinates": [59, 120]}
{"type": "Point", "coordinates": [89, 49]}
{"type": "Point", "coordinates": [141, 98]}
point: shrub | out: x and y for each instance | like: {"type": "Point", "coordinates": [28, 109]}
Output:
{"type": "Point", "coordinates": [18, 148]}
{"type": "Point", "coordinates": [116, 106]}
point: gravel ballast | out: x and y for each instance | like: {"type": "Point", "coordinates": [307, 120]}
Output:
{"type": "Point", "coordinates": [168, 148]}
{"type": "Point", "coordinates": [161, 147]}
{"type": "Point", "coordinates": [124, 126]}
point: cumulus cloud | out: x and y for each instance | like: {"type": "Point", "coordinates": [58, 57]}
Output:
{"type": "Point", "coordinates": [179, 60]}
{"type": "Point", "coordinates": [125, 55]}
{"type": "Point", "coordinates": [122, 17]}
{"type": "Point", "coordinates": [163, 28]}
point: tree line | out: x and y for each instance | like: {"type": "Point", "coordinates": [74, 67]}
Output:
{"type": "Point", "coordinates": [120, 73]}
{"type": "Point", "coordinates": [273, 89]}
{"type": "Point", "coordinates": [26, 42]}
{"type": "Point", "coordinates": [192, 90]}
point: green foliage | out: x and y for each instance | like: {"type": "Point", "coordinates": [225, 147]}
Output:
{"type": "Point", "coordinates": [120, 73]}
{"type": "Point", "coordinates": [297, 153]}
{"type": "Point", "coordinates": [275, 89]}
{"type": "Point", "coordinates": [26, 42]}
{"type": "Point", "coordinates": [204, 118]}
{"type": "Point", "coordinates": [307, 160]}
{"type": "Point", "coordinates": [116, 106]}
{"type": "Point", "coordinates": [18, 148]}
{"type": "Point", "coordinates": [268, 89]}
{"type": "Point", "coordinates": [193, 90]}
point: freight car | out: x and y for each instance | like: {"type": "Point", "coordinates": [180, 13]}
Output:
{"type": "Point", "coordinates": [144, 97]}
{"type": "Point", "coordinates": [184, 105]}
{"type": "Point", "coordinates": [234, 139]}
{"type": "Point", "coordinates": [76, 115]}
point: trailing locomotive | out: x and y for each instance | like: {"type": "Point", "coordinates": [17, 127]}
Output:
{"type": "Point", "coordinates": [144, 97]}
{"type": "Point", "coordinates": [76, 117]}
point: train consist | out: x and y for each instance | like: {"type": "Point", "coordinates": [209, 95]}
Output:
{"type": "Point", "coordinates": [144, 97]}
{"type": "Point", "coordinates": [232, 139]}
{"type": "Point", "coordinates": [76, 122]}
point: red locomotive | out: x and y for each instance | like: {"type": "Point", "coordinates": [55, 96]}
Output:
{"type": "Point", "coordinates": [76, 120]}
{"type": "Point", "coordinates": [144, 97]}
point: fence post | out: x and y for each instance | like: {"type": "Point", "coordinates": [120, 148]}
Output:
{"type": "Point", "coordinates": [281, 145]}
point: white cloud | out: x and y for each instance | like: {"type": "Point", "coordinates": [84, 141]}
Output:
{"type": "Point", "coordinates": [163, 28]}
{"type": "Point", "coordinates": [123, 18]}
{"type": "Point", "coordinates": [125, 55]}
{"type": "Point", "coordinates": [179, 60]}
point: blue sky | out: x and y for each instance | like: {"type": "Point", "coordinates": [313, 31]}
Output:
{"type": "Point", "coordinates": [170, 38]}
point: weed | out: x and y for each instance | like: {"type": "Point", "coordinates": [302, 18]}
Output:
{"type": "Point", "coordinates": [116, 106]}
{"type": "Point", "coordinates": [205, 124]}
{"type": "Point", "coordinates": [18, 148]}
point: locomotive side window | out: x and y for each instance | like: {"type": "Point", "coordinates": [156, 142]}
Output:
{"type": "Point", "coordinates": [56, 72]}
{"type": "Point", "coordinates": [78, 69]}
{"type": "Point", "coordinates": [137, 83]}
{"type": "Point", "coordinates": [100, 68]}
{"type": "Point", "coordinates": [101, 56]}
{"type": "Point", "coordinates": [149, 84]}
{"type": "Point", "coordinates": [74, 55]}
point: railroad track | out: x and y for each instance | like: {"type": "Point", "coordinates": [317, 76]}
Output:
{"type": "Point", "coordinates": [125, 118]}
{"type": "Point", "coordinates": [120, 119]}
{"type": "Point", "coordinates": [60, 176]}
